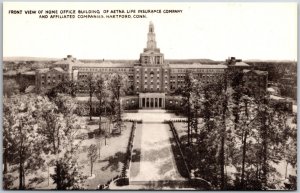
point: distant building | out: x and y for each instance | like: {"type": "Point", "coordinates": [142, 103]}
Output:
{"type": "Point", "coordinates": [152, 80]}
{"type": "Point", "coordinates": [236, 64]}
{"type": "Point", "coordinates": [47, 78]}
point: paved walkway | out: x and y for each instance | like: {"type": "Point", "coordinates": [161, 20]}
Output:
{"type": "Point", "coordinates": [153, 159]}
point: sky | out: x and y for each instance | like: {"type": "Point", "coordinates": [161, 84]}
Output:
{"type": "Point", "coordinates": [266, 31]}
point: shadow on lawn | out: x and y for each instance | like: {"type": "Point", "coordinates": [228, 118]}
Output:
{"type": "Point", "coordinates": [154, 155]}
{"type": "Point", "coordinates": [113, 161]}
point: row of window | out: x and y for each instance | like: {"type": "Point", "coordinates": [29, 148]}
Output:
{"type": "Point", "coordinates": [151, 76]}
{"type": "Point", "coordinates": [178, 81]}
{"type": "Point", "coordinates": [197, 70]}
{"type": "Point", "coordinates": [107, 69]}
{"type": "Point", "coordinates": [151, 70]}
{"type": "Point", "coordinates": [178, 76]}
{"type": "Point", "coordinates": [254, 78]}
{"type": "Point", "coordinates": [152, 89]}
{"type": "Point", "coordinates": [53, 82]}
{"type": "Point", "coordinates": [51, 77]}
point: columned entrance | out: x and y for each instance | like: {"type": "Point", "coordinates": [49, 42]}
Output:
{"type": "Point", "coordinates": [151, 100]}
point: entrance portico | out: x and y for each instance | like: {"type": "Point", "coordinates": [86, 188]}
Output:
{"type": "Point", "coordinates": [151, 100]}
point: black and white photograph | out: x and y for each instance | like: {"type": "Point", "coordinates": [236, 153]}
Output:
{"type": "Point", "coordinates": [149, 96]}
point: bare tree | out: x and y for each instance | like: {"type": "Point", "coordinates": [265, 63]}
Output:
{"type": "Point", "coordinates": [92, 155]}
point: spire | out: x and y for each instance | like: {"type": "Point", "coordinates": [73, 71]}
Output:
{"type": "Point", "coordinates": [151, 54]}
{"type": "Point", "coordinates": [151, 43]}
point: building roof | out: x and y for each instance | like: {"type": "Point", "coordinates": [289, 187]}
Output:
{"type": "Point", "coordinates": [44, 70]}
{"type": "Point", "coordinates": [197, 65]}
{"type": "Point", "coordinates": [59, 69]}
{"type": "Point", "coordinates": [69, 60]}
{"type": "Point", "coordinates": [259, 72]}
{"type": "Point", "coordinates": [241, 64]}
{"type": "Point", "coordinates": [106, 65]}
{"type": "Point", "coordinates": [10, 73]}
{"type": "Point", "coordinates": [28, 73]}
{"type": "Point", "coordinates": [238, 63]}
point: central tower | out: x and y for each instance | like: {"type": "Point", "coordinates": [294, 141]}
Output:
{"type": "Point", "coordinates": [151, 55]}
{"type": "Point", "coordinates": [151, 42]}
{"type": "Point", "coordinates": [151, 79]}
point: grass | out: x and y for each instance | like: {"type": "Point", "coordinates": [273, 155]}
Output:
{"type": "Point", "coordinates": [107, 166]}
{"type": "Point", "coordinates": [110, 162]}
{"type": "Point", "coordinates": [136, 153]}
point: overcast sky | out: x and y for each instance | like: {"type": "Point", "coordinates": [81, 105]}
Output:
{"type": "Point", "coordinates": [203, 30]}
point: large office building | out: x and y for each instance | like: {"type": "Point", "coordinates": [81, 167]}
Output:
{"type": "Point", "coordinates": [153, 81]}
